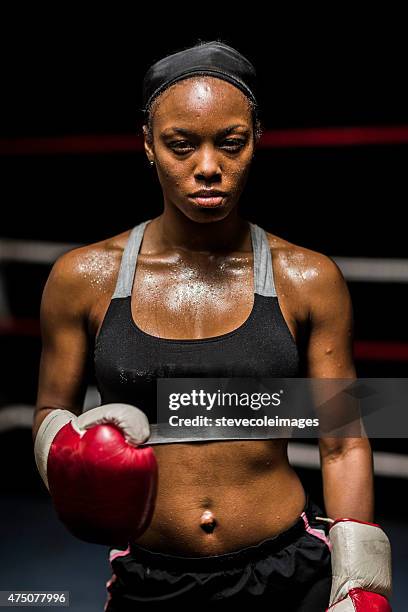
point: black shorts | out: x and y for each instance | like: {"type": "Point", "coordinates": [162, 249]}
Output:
{"type": "Point", "coordinates": [288, 572]}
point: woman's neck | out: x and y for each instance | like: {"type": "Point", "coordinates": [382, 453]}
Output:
{"type": "Point", "coordinates": [175, 231]}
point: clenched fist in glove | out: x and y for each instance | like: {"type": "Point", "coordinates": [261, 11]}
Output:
{"type": "Point", "coordinates": [102, 485]}
{"type": "Point", "coordinates": [361, 567]}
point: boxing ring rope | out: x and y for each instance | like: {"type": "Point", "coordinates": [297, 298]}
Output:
{"type": "Point", "coordinates": [353, 268]}
{"type": "Point", "coordinates": [363, 269]}
{"type": "Point", "coordinates": [271, 139]}
{"type": "Point", "coordinates": [392, 465]}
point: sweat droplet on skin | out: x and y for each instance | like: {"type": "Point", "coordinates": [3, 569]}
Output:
{"type": "Point", "coordinates": [97, 267]}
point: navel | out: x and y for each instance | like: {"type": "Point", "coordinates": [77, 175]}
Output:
{"type": "Point", "coordinates": [207, 521]}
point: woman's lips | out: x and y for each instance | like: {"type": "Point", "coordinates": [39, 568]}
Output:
{"type": "Point", "coordinates": [208, 201]}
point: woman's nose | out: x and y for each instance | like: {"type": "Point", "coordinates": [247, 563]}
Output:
{"type": "Point", "coordinates": [207, 163]}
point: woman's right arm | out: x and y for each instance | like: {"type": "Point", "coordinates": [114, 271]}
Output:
{"type": "Point", "coordinates": [65, 342]}
{"type": "Point", "coordinates": [67, 458]}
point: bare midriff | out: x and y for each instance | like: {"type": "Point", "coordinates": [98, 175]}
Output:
{"type": "Point", "coordinates": [217, 497]}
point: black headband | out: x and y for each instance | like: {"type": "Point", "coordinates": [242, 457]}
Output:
{"type": "Point", "coordinates": [212, 58]}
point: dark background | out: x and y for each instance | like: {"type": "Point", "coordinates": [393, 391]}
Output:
{"type": "Point", "coordinates": [87, 80]}
{"type": "Point", "coordinates": [64, 75]}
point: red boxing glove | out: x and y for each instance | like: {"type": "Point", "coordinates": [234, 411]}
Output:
{"type": "Point", "coordinates": [103, 487]}
{"type": "Point", "coordinates": [361, 567]}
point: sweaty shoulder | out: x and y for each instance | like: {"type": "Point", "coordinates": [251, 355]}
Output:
{"type": "Point", "coordinates": [303, 274]}
{"type": "Point", "coordinates": [89, 272]}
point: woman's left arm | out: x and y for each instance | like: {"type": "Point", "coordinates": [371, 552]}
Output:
{"type": "Point", "coordinates": [346, 463]}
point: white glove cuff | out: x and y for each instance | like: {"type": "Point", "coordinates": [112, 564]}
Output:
{"type": "Point", "coordinates": [361, 558]}
{"type": "Point", "coordinates": [47, 431]}
{"type": "Point", "coordinates": [130, 420]}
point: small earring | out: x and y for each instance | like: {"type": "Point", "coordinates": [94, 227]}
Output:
{"type": "Point", "coordinates": [151, 162]}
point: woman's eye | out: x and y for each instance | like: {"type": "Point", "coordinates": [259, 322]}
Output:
{"type": "Point", "coordinates": [180, 145]}
{"type": "Point", "coordinates": [234, 143]}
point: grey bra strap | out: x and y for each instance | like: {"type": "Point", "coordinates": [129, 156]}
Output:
{"type": "Point", "coordinates": [127, 268]}
{"type": "Point", "coordinates": [263, 272]}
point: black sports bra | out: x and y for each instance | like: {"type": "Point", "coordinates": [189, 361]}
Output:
{"type": "Point", "coordinates": [128, 361]}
